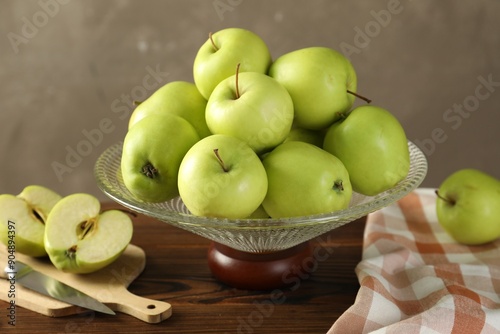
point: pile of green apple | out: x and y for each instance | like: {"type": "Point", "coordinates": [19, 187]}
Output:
{"type": "Point", "coordinates": [468, 206]}
{"type": "Point", "coordinates": [73, 231]}
{"type": "Point", "coordinates": [253, 137]}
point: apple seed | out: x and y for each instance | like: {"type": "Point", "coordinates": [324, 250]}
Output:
{"type": "Point", "coordinates": [71, 252]}
{"type": "Point", "coordinates": [149, 170]}
{"type": "Point", "coordinates": [86, 227]}
{"type": "Point", "coordinates": [38, 215]}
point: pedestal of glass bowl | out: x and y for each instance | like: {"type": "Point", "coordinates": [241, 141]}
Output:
{"type": "Point", "coordinates": [254, 253]}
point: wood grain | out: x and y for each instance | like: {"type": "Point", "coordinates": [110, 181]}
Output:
{"type": "Point", "coordinates": [108, 285]}
{"type": "Point", "coordinates": [177, 273]}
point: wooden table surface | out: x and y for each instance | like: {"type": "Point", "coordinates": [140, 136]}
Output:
{"type": "Point", "coordinates": [177, 272]}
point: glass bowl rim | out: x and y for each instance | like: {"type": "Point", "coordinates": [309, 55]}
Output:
{"type": "Point", "coordinates": [418, 165]}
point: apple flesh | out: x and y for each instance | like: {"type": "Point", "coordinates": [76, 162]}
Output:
{"type": "Point", "coordinates": [304, 180]}
{"type": "Point", "coordinates": [318, 80]}
{"type": "Point", "coordinates": [28, 213]}
{"type": "Point", "coordinates": [180, 98]}
{"type": "Point", "coordinates": [221, 176]}
{"type": "Point", "coordinates": [468, 206]}
{"type": "Point", "coordinates": [79, 238]}
{"type": "Point", "coordinates": [373, 146]}
{"type": "Point", "coordinates": [218, 57]}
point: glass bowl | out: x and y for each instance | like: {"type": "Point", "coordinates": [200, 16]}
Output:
{"type": "Point", "coordinates": [253, 235]}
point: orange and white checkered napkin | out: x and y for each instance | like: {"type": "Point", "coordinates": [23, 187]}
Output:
{"type": "Point", "coordinates": [415, 279]}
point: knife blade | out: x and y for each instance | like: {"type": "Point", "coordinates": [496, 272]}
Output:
{"type": "Point", "coordinates": [49, 286]}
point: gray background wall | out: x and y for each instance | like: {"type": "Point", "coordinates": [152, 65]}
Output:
{"type": "Point", "coordinates": [67, 67]}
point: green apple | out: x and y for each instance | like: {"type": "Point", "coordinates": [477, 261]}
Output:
{"type": "Point", "coordinates": [468, 206]}
{"type": "Point", "coordinates": [81, 239]}
{"type": "Point", "coordinates": [23, 219]}
{"type": "Point", "coordinates": [252, 107]}
{"type": "Point", "coordinates": [259, 213]}
{"type": "Point", "coordinates": [152, 153]}
{"type": "Point", "coordinates": [318, 80]}
{"type": "Point", "coordinates": [314, 137]}
{"type": "Point", "coordinates": [180, 98]}
{"type": "Point", "coordinates": [304, 180]}
{"type": "Point", "coordinates": [218, 56]}
{"type": "Point", "coordinates": [373, 146]}
{"type": "Point", "coordinates": [221, 176]}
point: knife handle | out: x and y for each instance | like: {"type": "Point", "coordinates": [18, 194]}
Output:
{"type": "Point", "coordinates": [148, 310]}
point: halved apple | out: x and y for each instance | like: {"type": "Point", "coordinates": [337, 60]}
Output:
{"type": "Point", "coordinates": [23, 217]}
{"type": "Point", "coordinates": [79, 238]}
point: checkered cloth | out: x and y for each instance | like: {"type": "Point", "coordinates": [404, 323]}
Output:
{"type": "Point", "coordinates": [415, 279]}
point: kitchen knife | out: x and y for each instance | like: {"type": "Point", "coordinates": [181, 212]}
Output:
{"type": "Point", "coordinates": [28, 277]}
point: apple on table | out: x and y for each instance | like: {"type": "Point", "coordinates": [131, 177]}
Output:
{"type": "Point", "coordinates": [79, 238]}
{"type": "Point", "coordinates": [468, 206]}
{"type": "Point", "coordinates": [28, 212]}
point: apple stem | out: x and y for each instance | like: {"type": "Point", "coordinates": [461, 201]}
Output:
{"type": "Point", "coordinates": [136, 103]}
{"type": "Point", "coordinates": [447, 200]}
{"type": "Point", "coordinates": [237, 88]}
{"type": "Point", "coordinates": [221, 162]}
{"type": "Point", "coordinates": [367, 100]}
{"type": "Point", "coordinates": [212, 40]}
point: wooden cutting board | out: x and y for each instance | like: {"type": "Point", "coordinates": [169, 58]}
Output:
{"type": "Point", "coordinates": [108, 285]}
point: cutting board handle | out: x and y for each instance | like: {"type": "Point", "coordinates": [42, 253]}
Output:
{"type": "Point", "coordinates": [148, 310]}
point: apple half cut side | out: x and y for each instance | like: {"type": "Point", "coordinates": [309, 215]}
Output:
{"type": "Point", "coordinates": [23, 219]}
{"type": "Point", "coordinates": [80, 239]}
